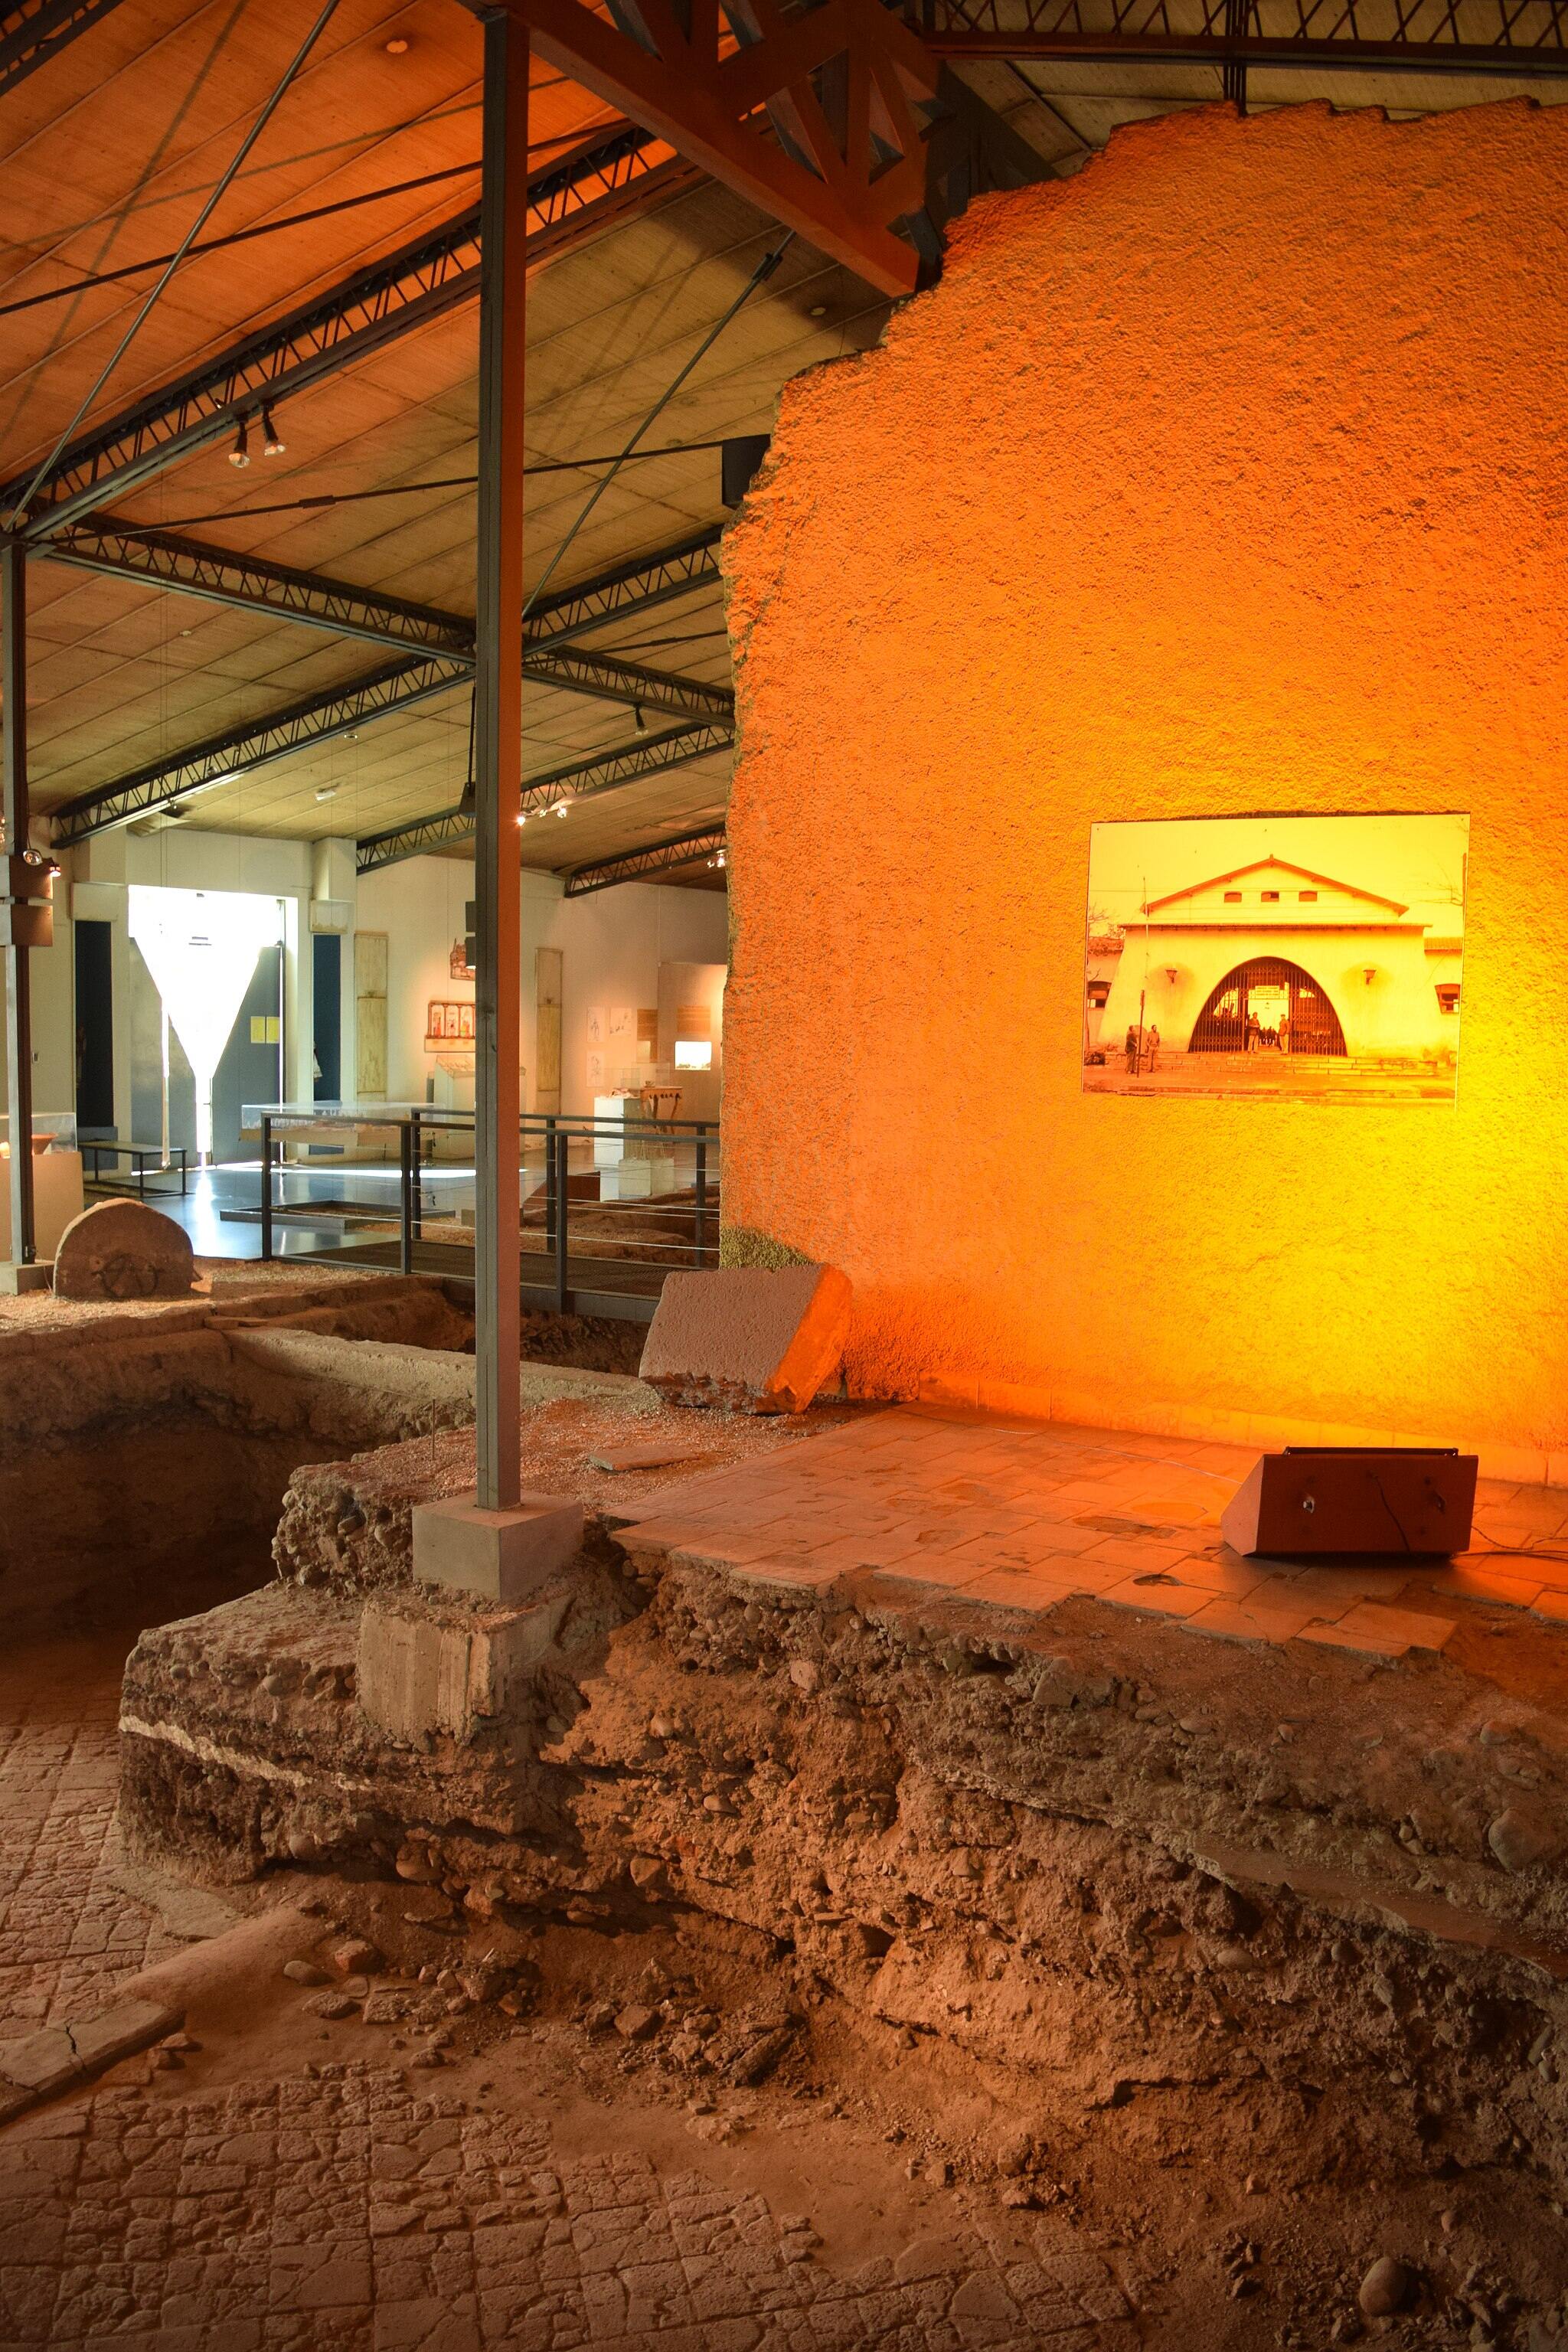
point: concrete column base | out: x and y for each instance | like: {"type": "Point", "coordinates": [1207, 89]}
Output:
{"type": "Point", "coordinates": [495, 1555]}
{"type": "Point", "coordinates": [426, 1666]}
{"type": "Point", "coordinates": [16, 1280]}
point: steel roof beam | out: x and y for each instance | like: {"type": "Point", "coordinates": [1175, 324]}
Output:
{"type": "Point", "coordinates": [31, 36]}
{"type": "Point", "coordinates": [581, 779]}
{"type": "Point", "coordinates": [248, 583]}
{"type": "Point", "coordinates": [628, 683]}
{"type": "Point", "coordinates": [683, 849]}
{"type": "Point", "coordinates": [1523, 36]}
{"type": "Point", "coordinates": [628, 588]}
{"type": "Point", "coordinates": [399, 686]}
{"type": "Point", "coordinates": [588, 192]}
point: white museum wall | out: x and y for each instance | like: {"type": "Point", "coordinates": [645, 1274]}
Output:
{"type": "Point", "coordinates": [612, 946]}
{"type": "Point", "coordinates": [92, 885]}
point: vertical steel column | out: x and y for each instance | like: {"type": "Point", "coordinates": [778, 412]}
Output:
{"type": "Point", "coordinates": [497, 745]}
{"type": "Point", "coordinates": [14, 818]}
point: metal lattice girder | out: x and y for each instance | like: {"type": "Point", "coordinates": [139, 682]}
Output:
{"type": "Point", "coordinates": [657, 579]}
{"type": "Point", "coordinates": [628, 682]}
{"type": "Point", "coordinates": [606, 772]}
{"type": "Point", "coordinates": [587, 193]}
{"type": "Point", "coordinates": [650, 755]}
{"type": "Point", "coordinates": [417, 840]}
{"type": "Point", "coordinates": [251, 585]}
{"type": "Point", "coordinates": [39, 30]}
{"type": "Point", "coordinates": [684, 849]}
{"type": "Point", "coordinates": [317, 719]}
{"type": "Point", "coordinates": [1509, 36]}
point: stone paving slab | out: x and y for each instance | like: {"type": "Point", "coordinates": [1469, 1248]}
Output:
{"type": "Point", "coordinates": [1019, 1514]}
{"type": "Point", "coordinates": [346, 2209]}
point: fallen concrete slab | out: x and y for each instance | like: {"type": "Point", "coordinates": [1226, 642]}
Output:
{"type": "Point", "coordinates": [748, 1338]}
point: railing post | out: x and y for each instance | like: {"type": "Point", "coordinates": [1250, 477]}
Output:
{"type": "Point", "coordinates": [266, 1190]}
{"type": "Point", "coordinates": [700, 1258]}
{"type": "Point", "coordinates": [550, 1183]}
{"type": "Point", "coordinates": [563, 1198]}
{"type": "Point", "coordinates": [405, 1197]}
{"type": "Point", "coordinates": [416, 1199]}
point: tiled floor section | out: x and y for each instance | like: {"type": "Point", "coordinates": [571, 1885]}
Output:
{"type": "Point", "coordinates": [1026, 1515]}
{"type": "Point", "coordinates": [67, 1934]}
{"type": "Point", "coordinates": [352, 2213]}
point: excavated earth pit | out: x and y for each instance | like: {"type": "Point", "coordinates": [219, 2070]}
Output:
{"type": "Point", "coordinates": [139, 1443]}
{"type": "Point", "coordinates": [1252, 1951]}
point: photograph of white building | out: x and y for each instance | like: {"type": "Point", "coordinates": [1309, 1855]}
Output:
{"type": "Point", "coordinates": [1311, 956]}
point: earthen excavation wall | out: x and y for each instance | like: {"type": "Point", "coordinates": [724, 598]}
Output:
{"type": "Point", "coordinates": [1228, 476]}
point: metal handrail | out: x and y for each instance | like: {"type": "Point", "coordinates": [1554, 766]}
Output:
{"type": "Point", "coordinates": [417, 1125]}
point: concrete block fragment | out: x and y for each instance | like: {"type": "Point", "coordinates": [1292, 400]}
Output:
{"type": "Point", "coordinates": [495, 1555]}
{"type": "Point", "coordinates": [120, 2032]}
{"type": "Point", "coordinates": [425, 1667]}
{"type": "Point", "coordinates": [51, 2059]}
{"type": "Point", "coordinates": [749, 1338]}
{"type": "Point", "coordinates": [42, 2063]}
{"type": "Point", "coordinates": [122, 1249]}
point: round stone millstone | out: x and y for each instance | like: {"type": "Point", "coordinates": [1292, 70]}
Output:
{"type": "Point", "coordinates": [120, 1250]}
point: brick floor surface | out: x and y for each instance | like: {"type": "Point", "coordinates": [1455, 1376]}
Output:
{"type": "Point", "coordinates": [1024, 1515]}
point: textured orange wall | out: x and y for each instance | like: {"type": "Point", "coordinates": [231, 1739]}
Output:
{"type": "Point", "coordinates": [1229, 476]}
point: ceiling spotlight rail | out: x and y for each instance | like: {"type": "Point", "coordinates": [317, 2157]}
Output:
{"type": "Point", "coordinates": [425, 279]}
{"type": "Point", "coordinates": [1513, 37]}
{"type": "Point", "coordinates": [167, 784]}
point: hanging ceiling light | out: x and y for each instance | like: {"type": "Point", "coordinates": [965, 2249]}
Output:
{"type": "Point", "coordinates": [240, 454]}
{"type": "Point", "coordinates": [561, 808]}
{"type": "Point", "coordinates": [639, 719]}
{"type": "Point", "coordinates": [272, 442]}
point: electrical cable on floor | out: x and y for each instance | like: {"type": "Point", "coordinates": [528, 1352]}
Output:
{"type": "Point", "coordinates": [295, 64]}
{"type": "Point", "coordinates": [759, 277]}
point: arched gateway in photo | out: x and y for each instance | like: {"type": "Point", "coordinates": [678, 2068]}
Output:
{"type": "Point", "coordinates": [1290, 1008]}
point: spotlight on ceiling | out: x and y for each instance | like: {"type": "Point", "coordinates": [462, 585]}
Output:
{"type": "Point", "coordinates": [326, 792]}
{"type": "Point", "coordinates": [240, 454]}
{"type": "Point", "coordinates": [397, 46]}
{"type": "Point", "coordinates": [523, 816]}
{"type": "Point", "coordinates": [272, 442]}
{"type": "Point", "coordinates": [818, 310]}
{"type": "Point", "coordinates": [561, 808]}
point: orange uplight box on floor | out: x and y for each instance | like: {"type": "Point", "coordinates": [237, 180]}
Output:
{"type": "Point", "coordinates": [1221, 478]}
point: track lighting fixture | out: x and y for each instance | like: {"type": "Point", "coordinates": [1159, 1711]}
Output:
{"type": "Point", "coordinates": [272, 442]}
{"type": "Point", "coordinates": [240, 454]}
{"type": "Point", "coordinates": [561, 808]}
